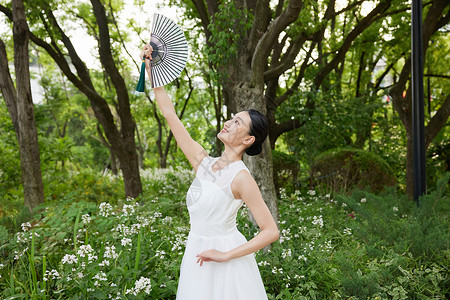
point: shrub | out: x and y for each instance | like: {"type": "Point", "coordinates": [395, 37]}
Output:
{"type": "Point", "coordinates": [285, 172]}
{"type": "Point", "coordinates": [342, 170]}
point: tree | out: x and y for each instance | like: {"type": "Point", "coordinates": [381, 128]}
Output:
{"type": "Point", "coordinates": [20, 106]}
{"type": "Point", "coordinates": [255, 46]}
{"type": "Point", "coordinates": [119, 136]}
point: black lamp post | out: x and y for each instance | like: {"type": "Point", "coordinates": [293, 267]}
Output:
{"type": "Point", "coordinates": [418, 133]}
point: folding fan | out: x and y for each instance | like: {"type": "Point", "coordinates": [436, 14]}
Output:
{"type": "Point", "coordinates": [170, 52]}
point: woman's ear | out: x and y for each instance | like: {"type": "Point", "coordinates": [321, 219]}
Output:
{"type": "Point", "coordinates": [248, 141]}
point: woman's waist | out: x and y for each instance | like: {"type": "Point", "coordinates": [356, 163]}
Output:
{"type": "Point", "coordinates": [209, 229]}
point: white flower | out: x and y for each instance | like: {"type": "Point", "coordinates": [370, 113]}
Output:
{"type": "Point", "coordinates": [25, 226]}
{"type": "Point", "coordinates": [53, 274]}
{"type": "Point", "coordinates": [160, 254]}
{"type": "Point", "coordinates": [99, 277]}
{"type": "Point", "coordinates": [312, 192]}
{"type": "Point", "coordinates": [105, 209]}
{"type": "Point", "coordinates": [286, 253]}
{"type": "Point", "coordinates": [85, 249]}
{"type": "Point", "coordinates": [263, 263]}
{"type": "Point", "coordinates": [143, 284]}
{"type": "Point", "coordinates": [69, 259]}
{"type": "Point", "coordinates": [348, 231]}
{"type": "Point", "coordinates": [21, 238]}
{"type": "Point", "coordinates": [302, 257]}
{"type": "Point", "coordinates": [127, 210]}
{"type": "Point", "coordinates": [86, 218]}
{"type": "Point", "coordinates": [275, 270]}
{"type": "Point", "coordinates": [344, 204]}
{"type": "Point", "coordinates": [167, 220]}
{"type": "Point", "coordinates": [363, 200]}
{"type": "Point", "coordinates": [104, 263]}
{"type": "Point", "coordinates": [126, 241]}
{"type": "Point", "coordinates": [19, 254]}
{"type": "Point", "coordinates": [395, 208]}
{"type": "Point", "coordinates": [318, 221]}
{"type": "Point", "coordinates": [110, 252]}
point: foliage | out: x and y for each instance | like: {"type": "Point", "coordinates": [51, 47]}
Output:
{"type": "Point", "coordinates": [345, 169]}
{"type": "Point", "coordinates": [227, 32]}
{"type": "Point", "coordinates": [285, 171]}
{"type": "Point", "coordinates": [351, 247]}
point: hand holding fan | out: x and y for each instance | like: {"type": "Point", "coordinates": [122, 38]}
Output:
{"type": "Point", "coordinates": [170, 53]}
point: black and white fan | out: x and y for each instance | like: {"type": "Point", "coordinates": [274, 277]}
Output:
{"type": "Point", "coordinates": [170, 52]}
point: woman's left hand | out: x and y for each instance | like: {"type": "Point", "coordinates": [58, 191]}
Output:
{"type": "Point", "coordinates": [212, 255]}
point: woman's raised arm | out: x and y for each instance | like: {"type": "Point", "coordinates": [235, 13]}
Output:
{"type": "Point", "coordinates": [193, 151]}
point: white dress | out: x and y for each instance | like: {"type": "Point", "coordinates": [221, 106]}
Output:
{"type": "Point", "coordinates": [212, 210]}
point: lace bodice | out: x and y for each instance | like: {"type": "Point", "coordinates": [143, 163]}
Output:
{"type": "Point", "coordinates": [210, 201]}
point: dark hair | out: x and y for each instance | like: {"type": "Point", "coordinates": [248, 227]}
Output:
{"type": "Point", "coordinates": [259, 128]}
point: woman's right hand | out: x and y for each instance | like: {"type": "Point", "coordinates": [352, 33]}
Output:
{"type": "Point", "coordinates": [147, 53]}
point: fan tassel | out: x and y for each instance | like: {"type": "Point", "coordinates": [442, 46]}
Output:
{"type": "Point", "coordinates": [141, 84]}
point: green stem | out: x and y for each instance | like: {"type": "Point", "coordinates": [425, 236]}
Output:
{"type": "Point", "coordinates": [138, 255]}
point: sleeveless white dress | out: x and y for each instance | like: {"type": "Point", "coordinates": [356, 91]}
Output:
{"type": "Point", "coordinates": [212, 210]}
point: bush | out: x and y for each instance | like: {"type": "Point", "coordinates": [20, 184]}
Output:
{"type": "Point", "coordinates": [342, 170]}
{"type": "Point", "coordinates": [285, 172]}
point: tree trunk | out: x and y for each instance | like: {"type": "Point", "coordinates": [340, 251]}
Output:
{"type": "Point", "coordinates": [21, 109]}
{"type": "Point", "coordinates": [260, 166]}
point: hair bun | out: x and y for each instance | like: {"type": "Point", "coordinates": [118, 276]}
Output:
{"type": "Point", "coordinates": [254, 149]}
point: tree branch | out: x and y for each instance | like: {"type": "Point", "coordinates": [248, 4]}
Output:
{"type": "Point", "coordinates": [299, 78]}
{"type": "Point", "coordinates": [108, 62]}
{"type": "Point", "coordinates": [79, 65]}
{"type": "Point", "coordinates": [285, 126]}
{"type": "Point", "coordinates": [259, 24]}
{"type": "Point", "coordinates": [263, 48]}
{"type": "Point", "coordinates": [7, 87]}
{"type": "Point", "coordinates": [288, 60]}
{"type": "Point", "coordinates": [360, 27]}
{"type": "Point", "coordinates": [437, 122]}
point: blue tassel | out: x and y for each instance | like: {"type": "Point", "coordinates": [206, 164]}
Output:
{"type": "Point", "coordinates": [141, 84]}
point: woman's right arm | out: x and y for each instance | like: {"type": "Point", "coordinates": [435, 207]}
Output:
{"type": "Point", "coordinates": [193, 151]}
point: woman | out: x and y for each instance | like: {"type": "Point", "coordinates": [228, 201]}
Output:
{"type": "Point", "coordinates": [218, 262]}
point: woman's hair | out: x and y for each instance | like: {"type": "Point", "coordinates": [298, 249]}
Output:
{"type": "Point", "coordinates": [259, 128]}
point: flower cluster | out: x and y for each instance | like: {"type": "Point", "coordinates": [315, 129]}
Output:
{"type": "Point", "coordinates": [128, 210]}
{"type": "Point", "coordinates": [98, 278]}
{"type": "Point", "coordinates": [317, 220]}
{"type": "Point", "coordinates": [86, 219]}
{"type": "Point", "coordinates": [25, 226]}
{"type": "Point", "coordinates": [105, 209]}
{"type": "Point", "coordinates": [143, 284]}
{"type": "Point", "coordinates": [286, 253]}
{"type": "Point", "coordinates": [69, 259]}
{"type": "Point", "coordinates": [86, 250]}
{"type": "Point", "coordinates": [53, 274]}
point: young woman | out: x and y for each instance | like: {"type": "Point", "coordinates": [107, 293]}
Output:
{"type": "Point", "coordinates": [218, 262]}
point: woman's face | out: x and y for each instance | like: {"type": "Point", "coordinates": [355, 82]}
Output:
{"type": "Point", "coordinates": [235, 132]}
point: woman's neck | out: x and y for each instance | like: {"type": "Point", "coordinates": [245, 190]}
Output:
{"type": "Point", "coordinates": [230, 156]}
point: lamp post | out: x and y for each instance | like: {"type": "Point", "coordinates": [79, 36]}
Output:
{"type": "Point", "coordinates": [418, 134]}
